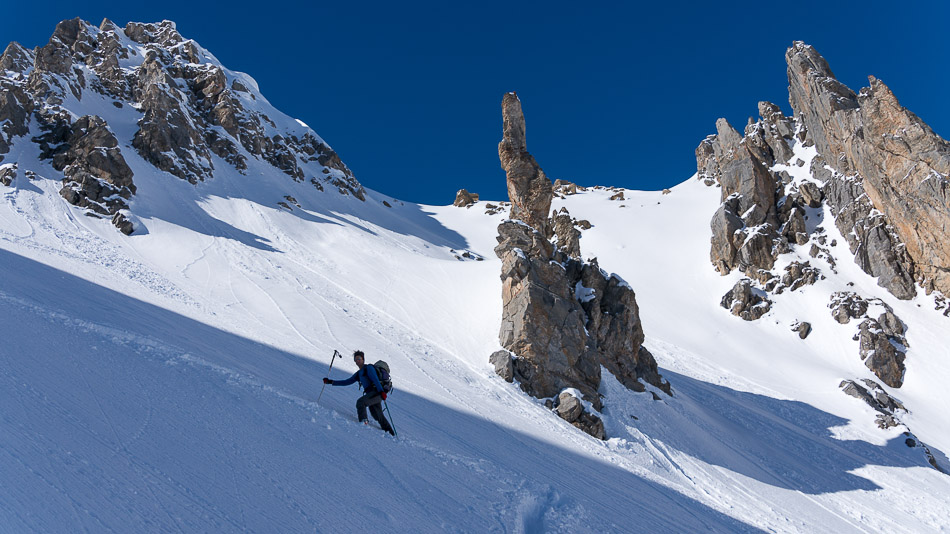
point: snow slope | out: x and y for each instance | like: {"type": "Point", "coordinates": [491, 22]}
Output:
{"type": "Point", "coordinates": [167, 381]}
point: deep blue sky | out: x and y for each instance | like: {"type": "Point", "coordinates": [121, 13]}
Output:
{"type": "Point", "coordinates": [409, 93]}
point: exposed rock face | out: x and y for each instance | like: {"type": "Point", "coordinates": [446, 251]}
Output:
{"type": "Point", "coordinates": [566, 233]}
{"type": "Point", "coordinates": [191, 113]}
{"type": "Point", "coordinates": [754, 221]}
{"type": "Point", "coordinates": [846, 305]}
{"type": "Point", "coordinates": [96, 174]}
{"type": "Point", "coordinates": [743, 301]}
{"type": "Point", "coordinates": [882, 353]}
{"type": "Point", "coordinates": [875, 244]}
{"type": "Point", "coordinates": [894, 157]}
{"type": "Point", "coordinates": [881, 341]}
{"type": "Point", "coordinates": [168, 138]}
{"type": "Point", "coordinates": [563, 319]}
{"type": "Point", "coordinates": [884, 174]}
{"type": "Point", "coordinates": [464, 199]}
{"type": "Point", "coordinates": [15, 105]}
{"type": "Point", "coordinates": [873, 394]}
{"type": "Point", "coordinates": [890, 410]}
{"type": "Point", "coordinates": [542, 322]}
{"type": "Point", "coordinates": [528, 188]}
{"type": "Point", "coordinates": [797, 275]}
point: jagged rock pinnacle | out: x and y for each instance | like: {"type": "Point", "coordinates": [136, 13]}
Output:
{"type": "Point", "coordinates": [529, 189]}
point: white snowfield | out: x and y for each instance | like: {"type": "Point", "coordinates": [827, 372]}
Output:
{"type": "Point", "coordinates": [167, 381]}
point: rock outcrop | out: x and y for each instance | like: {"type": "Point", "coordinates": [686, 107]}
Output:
{"type": "Point", "coordinates": [464, 199]}
{"type": "Point", "coordinates": [563, 188]}
{"type": "Point", "coordinates": [874, 396]}
{"type": "Point", "coordinates": [563, 319]}
{"type": "Point", "coordinates": [96, 175]}
{"type": "Point", "coordinates": [192, 114]}
{"type": "Point", "coordinates": [797, 275]}
{"type": "Point", "coordinates": [752, 225]}
{"type": "Point", "coordinates": [881, 342]}
{"type": "Point", "coordinates": [881, 170]}
{"type": "Point", "coordinates": [889, 412]}
{"type": "Point", "coordinates": [8, 173]}
{"type": "Point", "coordinates": [882, 353]}
{"type": "Point", "coordinates": [744, 301]}
{"type": "Point", "coordinates": [879, 148]}
{"type": "Point", "coordinates": [566, 233]}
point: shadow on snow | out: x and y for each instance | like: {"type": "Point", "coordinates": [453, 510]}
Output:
{"type": "Point", "coordinates": [118, 414]}
{"type": "Point", "coordinates": [786, 444]}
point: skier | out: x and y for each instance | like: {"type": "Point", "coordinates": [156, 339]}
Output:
{"type": "Point", "coordinates": [373, 392]}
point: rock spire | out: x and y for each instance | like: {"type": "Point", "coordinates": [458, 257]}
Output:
{"type": "Point", "coordinates": [528, 188]}
{"type": "Point", "coordinates": [563, 319]}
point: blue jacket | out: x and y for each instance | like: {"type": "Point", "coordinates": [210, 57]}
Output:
{"type": "Point", "coordinates": [367, 377]}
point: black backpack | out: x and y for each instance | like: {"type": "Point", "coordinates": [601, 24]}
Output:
{"type": "Point", "coordinates": [382, 371]}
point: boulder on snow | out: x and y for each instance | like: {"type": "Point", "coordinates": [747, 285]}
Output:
{"type": "Point", "coordinates": [847, 305]}
{"type": "Point", "coordinates": [882, 354]}
{"type": "Point", "coordinates": [744, 301]}
{"type": "Point", "coordinates": [798, 274]}
{"type": "Point", "coordinates": [564, 188]}
{"type": "Point", "coordinates": [7, 173]}
{"type": "Point", "coordinates": [122, 223]}
{"type": "Point", "coordinates": [464, 199]}
{"type": "Point", "coordinates": [803, 328]}
{"type": "Point", "coordinates": [571, 409]}
{"type": "Point", "coordinates": [873, 394]}
{"type": "Point", "coordinates": [811, 194]}
{"type": "Point", "coordinates": [501, 360]}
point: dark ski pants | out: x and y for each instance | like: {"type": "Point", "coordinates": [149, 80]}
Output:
{"type": "Point", "coordinates": [372, 400]}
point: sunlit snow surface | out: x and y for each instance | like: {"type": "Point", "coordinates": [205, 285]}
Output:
{"type": "Point", "coordinates": [168, 380]}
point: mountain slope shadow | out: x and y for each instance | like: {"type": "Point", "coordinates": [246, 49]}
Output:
{"type": "Point", "coordinates": [782, 443]}
{"type": "Point", "coordinates": [121, 415]}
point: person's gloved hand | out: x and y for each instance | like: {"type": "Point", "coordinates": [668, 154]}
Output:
{"type": "Point", "coordinates": [327, 381]}
{"type": "Point", "coordinates": [383, 395]}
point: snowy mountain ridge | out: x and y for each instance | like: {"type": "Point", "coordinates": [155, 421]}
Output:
{"type": "Point", "coordinates": [167, 379]}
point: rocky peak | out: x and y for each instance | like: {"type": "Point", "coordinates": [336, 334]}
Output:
{"type": "Point", "coordinates": [894, 158]}
{"type": "Point", "coordinates": [191, 113]}
{"type": "Point", "coordinates": [882, 172]}
{"type": "Point", "coordinates": [529, 189]}
{"type": "Point", "coordinates": [16, 58]}
{"type": "Point", "coordinates": [164, 34]}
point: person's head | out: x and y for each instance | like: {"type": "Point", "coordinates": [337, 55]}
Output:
{"type": "Point", "coordinates": [358, 357]}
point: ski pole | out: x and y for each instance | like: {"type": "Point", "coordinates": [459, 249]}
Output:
{"type": "Point", "coordinates": [390, 418]}
{"type": "Point", "coordinates": [333, 359]}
